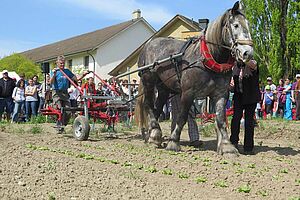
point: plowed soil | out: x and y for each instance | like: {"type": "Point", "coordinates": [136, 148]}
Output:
{"type": "Point", "coordinates": [37, 163]}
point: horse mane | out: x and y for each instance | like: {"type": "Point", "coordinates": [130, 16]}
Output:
{"type": "Point", "coordinates": [214, 34]}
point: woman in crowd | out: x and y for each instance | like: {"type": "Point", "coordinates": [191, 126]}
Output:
{"type": "Point", "coordinates": [43, 93]}
{"type": "Point", "coordinates": [18, 96]}
{"type": "Point", "coordinates": [31, 99]}
{"type": "Point", "coordinates": [288, 101]}
{"type": "Point", "coordinates": [281, 99]}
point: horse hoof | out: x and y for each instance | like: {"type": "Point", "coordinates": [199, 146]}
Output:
{"type": "Point", "coordinates": [173, 146]}
{"type": "Point", "coordinates": [155, 137]}
{"type": "Point", "coordinates": [227, 149]}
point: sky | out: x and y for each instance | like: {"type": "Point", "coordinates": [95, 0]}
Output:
{"type": "Point", "coordinates": [27, 24]}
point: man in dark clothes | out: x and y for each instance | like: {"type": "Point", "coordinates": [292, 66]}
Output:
{"type": "Point", "coordinates": [246, 96]}
{"type": "Point", "coordinates": [7, 86]}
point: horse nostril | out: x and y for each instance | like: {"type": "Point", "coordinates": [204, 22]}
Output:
{"type": "Point", "coordinates": [246, 55]}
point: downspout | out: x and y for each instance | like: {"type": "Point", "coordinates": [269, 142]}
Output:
{"type": "Point", "coordinates": [94, 63]}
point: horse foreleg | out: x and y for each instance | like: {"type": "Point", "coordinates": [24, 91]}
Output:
{"type": "Point", "coordinates": [224, 145]}
{"type": "Point", "coordinates": [154, 133]}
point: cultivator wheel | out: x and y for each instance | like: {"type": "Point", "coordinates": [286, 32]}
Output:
{"type": "Point", "coordinates": [81, 128]}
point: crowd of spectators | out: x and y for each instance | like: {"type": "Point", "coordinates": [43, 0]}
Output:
{"type": "Point", "coordinates": [23, 99]}
{"type": "Point", "coordinates": [281, 101]}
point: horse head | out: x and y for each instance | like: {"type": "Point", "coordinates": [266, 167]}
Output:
{"type": "Point", "coordinates": [236, 34]}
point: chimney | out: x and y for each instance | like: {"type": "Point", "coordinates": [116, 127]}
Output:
{"type": "Point", "coordinates": [136, 14]}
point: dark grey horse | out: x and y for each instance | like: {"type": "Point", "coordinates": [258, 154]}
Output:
{"type": "Point", "coordinates": [227, 38]}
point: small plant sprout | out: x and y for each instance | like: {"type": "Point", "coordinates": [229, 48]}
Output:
{"type": "Point", "coordinates": [151, 169]}
{"type": "Point", "coordinates": [251, 165]}
{"type": "Point", "coordinates": [139, 166]}
{"type": "Point", "coordinates": [114, 161]}
{"type": "Point", "coordinates": [236, 164]}
{"type": "Point", "coordinates": [262, 193]}
{"type": "Point", "coordinates": [283, 171]}
{"type": "Point", "coordinates": [201, 179]}
{"type": "Point", "coordinates": [239, 171]}
{"type": "Point", "coordinates": [221, 183]}
{"type": "Point", "coordinates": [244, 188]}
{"type": "Point", "coordinates": [297, 181]}
{"type": "Point", "coordinates": [183, 175]}
{"type": "Point", "coordinates": [275, 177]}
{"type": "Point", "coordinates": [224, 162]}
{"type": "Point", "coordinates": [167, 172]}
{"type": "Point", "coordinates": [51, 196]}
{"type": "Point", "coordinates": [100, 159]}
{"type": "Point", "coordinates": [127, 164]}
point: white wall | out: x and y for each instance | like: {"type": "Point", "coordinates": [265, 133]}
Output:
{"type": "Point", "coordinates": [113, 52]}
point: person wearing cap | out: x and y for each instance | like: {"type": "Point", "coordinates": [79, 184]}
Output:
{"type": "Point", "coordinates": [271, 84]}
{"type": "Point", "coordinates": [7, 86]}
{"type": "Point", "coordinates": [245, 87]}
{"type": "Point", "coordinates": [274, 91]}
{"type": "Point", "coordinates": [297, 96]}
{"type": "Point", "coordinates": [60, 85]}
{"type": "Point", "coordinates": [268, 101]}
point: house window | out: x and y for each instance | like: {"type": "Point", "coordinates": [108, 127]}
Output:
{"type": "Point", "coordinates": [86, 61]}
{"type": "Point", "coordinates": [70, 63]}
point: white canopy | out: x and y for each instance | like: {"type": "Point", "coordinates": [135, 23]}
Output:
{"type": "Point", "coordinates": [13, 75]}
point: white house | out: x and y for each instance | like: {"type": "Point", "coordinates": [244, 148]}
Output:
{"type": "Point", "coordinates": [108, 47]}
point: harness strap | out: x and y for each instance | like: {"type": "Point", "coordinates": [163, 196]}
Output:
{"type": "Point", "coordinates": [209, 62]}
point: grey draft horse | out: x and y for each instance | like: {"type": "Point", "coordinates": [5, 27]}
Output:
{"type": "Point", "coordinates": [197, 74]}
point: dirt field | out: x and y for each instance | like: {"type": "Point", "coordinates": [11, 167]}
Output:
{"type": "Point", "coordinates": [36, 163]}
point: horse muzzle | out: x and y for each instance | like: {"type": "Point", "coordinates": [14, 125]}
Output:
{"type": "Point", "coordinates": [243, 53]}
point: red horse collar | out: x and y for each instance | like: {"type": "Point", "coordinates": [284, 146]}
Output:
{"type": "Point", "coordinates": [210, 63]}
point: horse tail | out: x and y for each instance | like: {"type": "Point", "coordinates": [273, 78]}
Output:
{"type": "Point", "coordinates": [141, 115]}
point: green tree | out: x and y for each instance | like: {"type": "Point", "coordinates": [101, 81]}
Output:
{"type": "Point", "coordinates": [275, 30]}
{"type": "Point", "coordinates": [20, 64]}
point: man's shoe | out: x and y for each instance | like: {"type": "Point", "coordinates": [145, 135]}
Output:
{"type": "Point", "coordinates": [196, 144]}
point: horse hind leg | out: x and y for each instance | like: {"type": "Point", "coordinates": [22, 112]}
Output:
{"type": "Point", "coordinates": [186, 102]}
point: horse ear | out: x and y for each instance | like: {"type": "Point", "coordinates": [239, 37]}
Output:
{"type": "Point", "coordinates": [235, 8]}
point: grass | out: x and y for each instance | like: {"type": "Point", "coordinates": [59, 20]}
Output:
{"type": "Point", "coordinates": [36, 129]}
{"type": "Point", "coordinates": [208, 130]}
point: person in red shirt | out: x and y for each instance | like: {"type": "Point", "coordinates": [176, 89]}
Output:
{"type": "Point", "coordinates": [89, 86]}
{"type": "Point", "coordinates": [90, 89]}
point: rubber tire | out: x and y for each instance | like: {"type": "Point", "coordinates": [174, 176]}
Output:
{"type": "Point", "coordinates": [82, 123]}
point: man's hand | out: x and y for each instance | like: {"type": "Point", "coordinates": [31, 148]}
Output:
{"type": "Point", "coordinates": [252, 64]}
{"type": "Point", "coordinates": [55, 70]}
